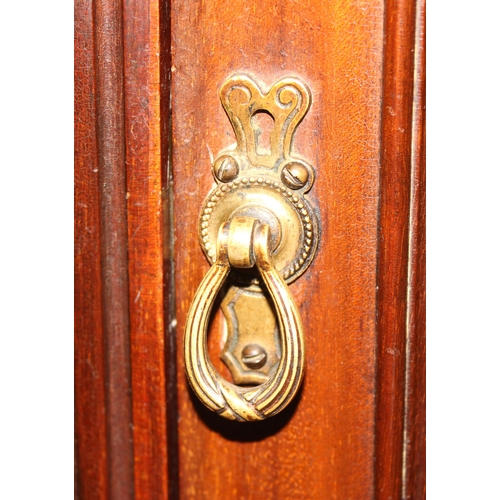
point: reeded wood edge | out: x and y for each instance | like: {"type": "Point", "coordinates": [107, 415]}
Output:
{"type": "Point", "coordinates": [101, 26]}
{"type": "Point", "coordinates": [108, 30]}
{"type": "Point", "coordinates": [414, 459]}
{"type": "Point", "coordinates": [398, 115]}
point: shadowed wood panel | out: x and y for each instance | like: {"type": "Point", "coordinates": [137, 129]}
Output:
{"type": "Point", "coordinates": [146, 279]}
{"type": "Point", "coordinates": [414, 486]}
{"type": "Point", "coordinates": [322, 445]}
{"type": "Point", "coordinates": [90, 405]}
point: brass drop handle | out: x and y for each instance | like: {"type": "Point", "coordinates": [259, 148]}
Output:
{"type": "Point", "coordinates": [243, 242]}
{"type": "Point", "coordinates": [258, 215]}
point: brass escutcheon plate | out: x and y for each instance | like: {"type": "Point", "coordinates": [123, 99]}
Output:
{"type": "Point", "coordinates": [269, 185]}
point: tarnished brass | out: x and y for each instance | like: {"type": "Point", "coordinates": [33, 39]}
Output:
{"type": "Point", "coordinates": [229, 400]}
{"type": "Point", "coordinates": [251, 321]}
{"type": "Point", "coordinates": [270, 185]}
{"type": "Point", "coordinates": [258, 222]}
{"type": "Point", "coordinates": [254, 356]}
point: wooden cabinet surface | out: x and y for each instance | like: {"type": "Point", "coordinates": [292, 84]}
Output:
{"type": "Point", "coordinates": [148, 121]}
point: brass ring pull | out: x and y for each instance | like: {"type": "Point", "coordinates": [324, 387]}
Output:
{"type": "Point", "coordinates": [243, 242]}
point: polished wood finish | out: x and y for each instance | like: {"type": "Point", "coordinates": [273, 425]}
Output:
{"type": "Point", "coordinates": [357, 427]}
{"type": "Point", "coordinates": [393, 241]}
{"type": "Point", "coordinates": [113, 218]}
{"type": "Point", "coordinates": [102, 191]}
{"type": "Point", "coordinates": [323, 445]}
{"type": "Point", "coordinates": [120, 135]}
{"type": "Point", "coordinates": [414, 486]}
{"type": "Point", "coordinates": [144, 206]}
{"type": "Point", "coordinates": [90, 394]}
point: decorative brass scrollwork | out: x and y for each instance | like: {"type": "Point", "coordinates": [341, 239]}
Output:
{"type": "Point", "coordinates": [256, 219]}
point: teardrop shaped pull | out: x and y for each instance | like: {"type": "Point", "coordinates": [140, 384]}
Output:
{"type": "Point", "coordinates": [243, 242]}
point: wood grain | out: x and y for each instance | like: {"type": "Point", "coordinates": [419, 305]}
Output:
{"type": "Point", "coordinates": [322, 446]}
{"type": "Point", "coordinates": [414, 486]}
{"type": "Point", "coordinates": [144, 210]}
{"type": "Point", "coordinates": [113, 216]}
{"type": "Point", "coordinates": [90, 393]}
{"type": "Point", "coordinates": [121, 141]}
{"type": "Point", "coordinates": [393, 250]}
{"type": "Point", "coordinates": [356, 429]}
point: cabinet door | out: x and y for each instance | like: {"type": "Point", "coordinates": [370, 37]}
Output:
{"type": "Point", "coordinates": [148, 124]}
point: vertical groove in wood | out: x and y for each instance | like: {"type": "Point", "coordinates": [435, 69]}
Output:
{"type": "Point", "coordinates": [392, 273]}
{"type": "Point", "coordinates": [414, 486]}
{"type": "Point", "coordinates": [144, 95]}
{"type": "Point", "coordinates": [168, 251]}
{"type": "Point", "coordinates": [90, 395]}
{"type": "Point", "coordinates": [119, 257]}
{"type": "Point", "coordinates": [112, 192]}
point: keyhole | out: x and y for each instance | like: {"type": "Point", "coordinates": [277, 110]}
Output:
{"type": "Point", "coordinates": [263, 124]}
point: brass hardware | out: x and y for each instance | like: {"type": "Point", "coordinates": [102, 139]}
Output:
{"type": "Point", "coordinates": [251, 320]}
{"type": "Point", "coordinates": [268, 186]}
{"type": "Point", "coordinates": [257, 218]}
{"type": "Point", "coordinates": [225, 168]}
{"type": "Point", "coordinates": [254, 356]}
{"type": "Point", "coordinates": [294, 175]}
{"type": "Point", "coordinates": [229, 400]}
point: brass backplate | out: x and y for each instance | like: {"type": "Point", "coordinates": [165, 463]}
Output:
{"type": "Point", "coordinates": [268, 185]}
{"type": "Point", "coordinates": [252, 348]}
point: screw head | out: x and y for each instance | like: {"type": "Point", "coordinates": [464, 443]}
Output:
{"type": "Point", "coordinates": [295, 175]}
{"type": "Point", "coordinates": [226, 168]}
{"type": "Point", "coordinates": [254, 356]}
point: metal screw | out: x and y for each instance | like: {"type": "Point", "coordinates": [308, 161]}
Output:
{"type": "Point", "coordinates": [295, 175]}
{"type": "Point", "coordinates": [226, 168]}
{"type": "Point", "coordinates": [254, 356]}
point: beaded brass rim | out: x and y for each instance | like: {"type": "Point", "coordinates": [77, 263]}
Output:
{"type": "Point", "coordinates": [297, 220]}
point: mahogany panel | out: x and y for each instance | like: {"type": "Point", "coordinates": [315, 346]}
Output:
{"type": "Point", "coordinates": [351, 429]}
{"type": "Point", "coordinates": [392, 275]}
{"type": "Point", "coordinates": [143, 134]}
{"type": "Point", "coordinates": [90, 406]}
{"type": "Point", "coordinates": [108, 26]}
{"type": "Point", "coordinates": [414, 486]}
{"type": "Point", "coordinates": [323, 445]}
{"type": "Point", "coordinates": [119, 141]}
